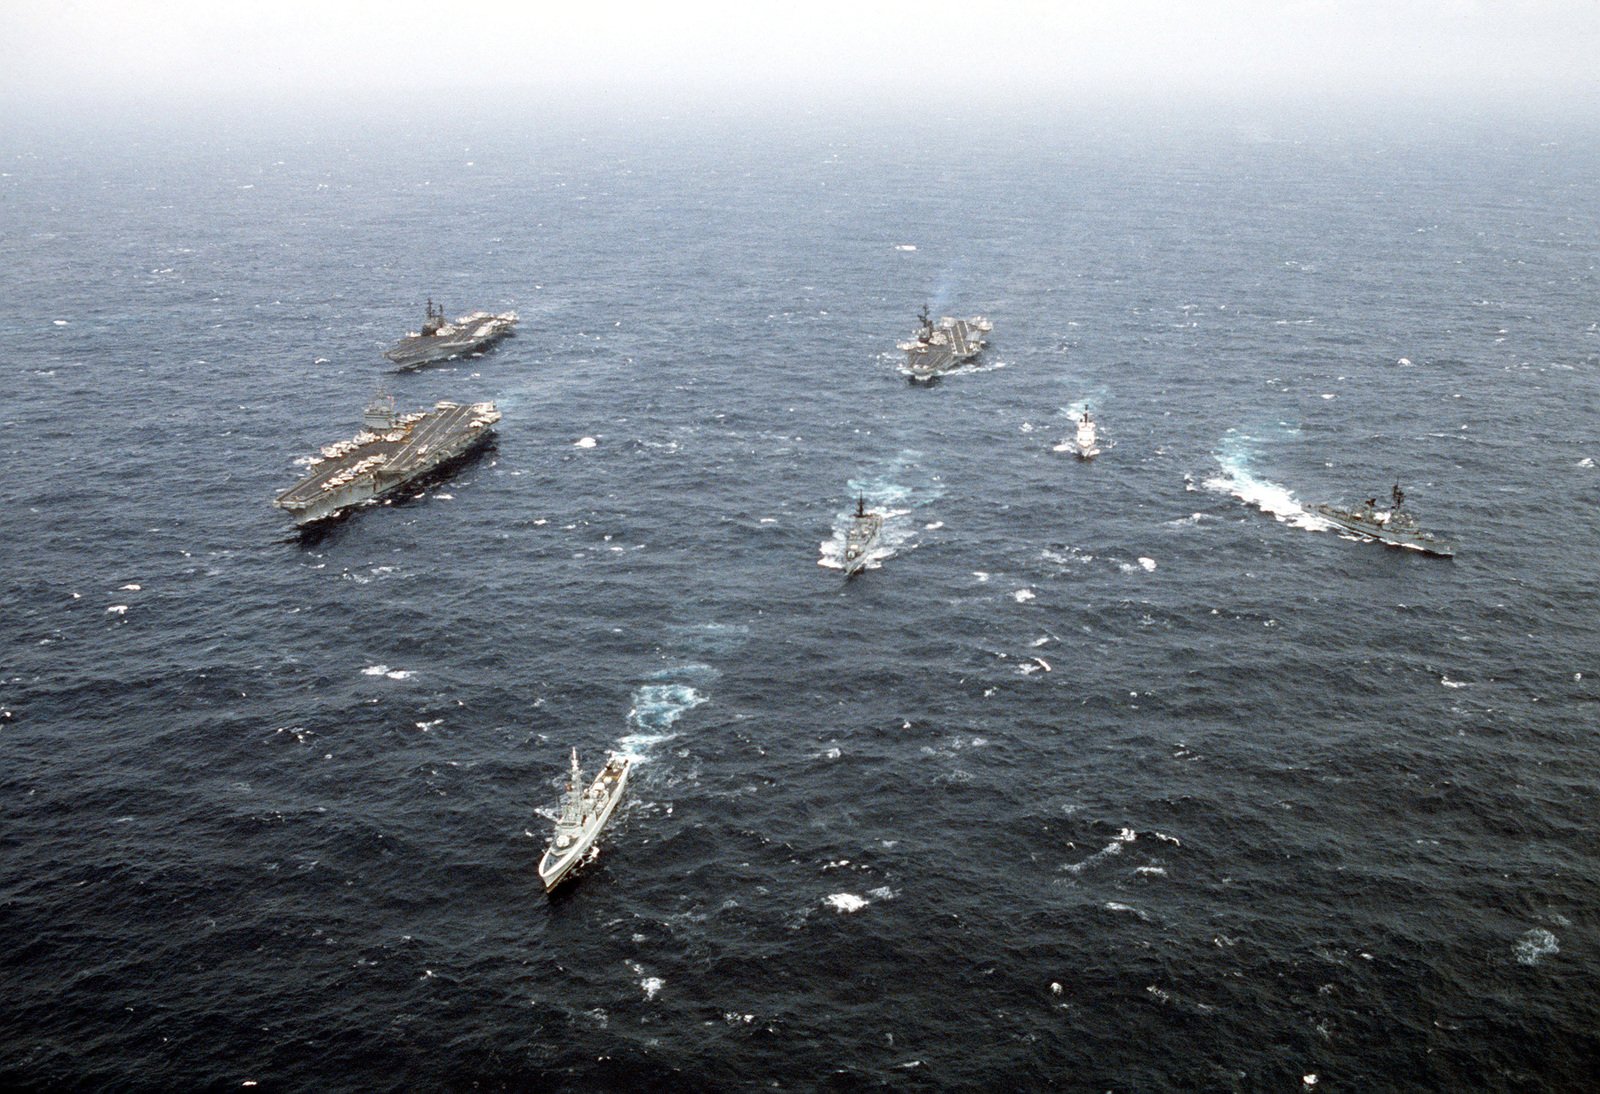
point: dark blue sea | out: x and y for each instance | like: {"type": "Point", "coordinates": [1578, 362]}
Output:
{"type": "Point", "coordinates": [1114, 775]}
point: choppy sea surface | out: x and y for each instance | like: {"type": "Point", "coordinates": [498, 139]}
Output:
{"type": "Point", "coordinates": [1118, 775]}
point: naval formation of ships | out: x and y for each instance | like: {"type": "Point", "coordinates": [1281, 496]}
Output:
{"type": "Point", "coordinates": [394, 449]}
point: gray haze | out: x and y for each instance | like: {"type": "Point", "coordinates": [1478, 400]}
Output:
{"type": "Point", "coordinates": [1482, 52]}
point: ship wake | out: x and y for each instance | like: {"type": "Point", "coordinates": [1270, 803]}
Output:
{"type": "Point", "coordinates": [1235, 478]}
{"type": "Point", "coordinates": [656, 709]}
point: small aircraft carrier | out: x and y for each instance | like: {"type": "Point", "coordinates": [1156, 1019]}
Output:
{"type": "Point", "coordinates": [940, 347]}
{"type": "Point", "coordinates": [389, 452]}
{"type": "Point", "coordinates": [442, 341]}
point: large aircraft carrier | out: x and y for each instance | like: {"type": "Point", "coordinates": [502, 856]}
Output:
{"type": "Point", "coordinates": [938, 348]}
{"type": "Point", "coordinates": [442, 341]}
{"type": "Point", "coordinates": [389, 452]}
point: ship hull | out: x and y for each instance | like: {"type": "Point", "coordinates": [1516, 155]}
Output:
{"type": "Point", "coordinates": [370, 487]}
{"type": "Point", "coordinates": [951, 344]}
{"type": "Point", "coordinates": [554, 867]}
{"type": "Point", "coordinates": [858, 545]}
{"type": "Point", "coordinates": [379, 465]}
{"type": "Point", "coordinates": [471, 334]}
{"type": "Point", "coordinates": [1389, 537]}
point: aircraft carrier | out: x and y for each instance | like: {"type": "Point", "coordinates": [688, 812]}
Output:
{"type": "Point", "coordinates": [938, 348]}
{"type": "Point", "coordinates": [442, 341]}
{"type": "Point", "coordinates": [389, 452]}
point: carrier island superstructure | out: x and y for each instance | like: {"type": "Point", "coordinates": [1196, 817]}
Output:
{"type": "Point", "coordinates": [389, 452]}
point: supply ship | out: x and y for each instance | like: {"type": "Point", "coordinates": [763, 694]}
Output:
{"type": "Point", "coordinates": [942, 346]}
{"type": "Point", "coordinates": [439, 340]}
{"type": "Point", "coordinates": [389, 452]}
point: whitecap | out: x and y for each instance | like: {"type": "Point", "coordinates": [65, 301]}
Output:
{"type": "Point", "coordinates": [1586, 462]}
{"type": "Point", "coordinates": [584, 442]}
{"type": "Point", "coordinates": [1449, 683]}
{"type": "Point", "coordinates": [128, 589]}
{"type": "Point", "coordinates": [117, 609]}
{"type": "Point", "coordinates": [935, 526]}
{"type": "Point", "coordinates": [1022, 596]}
{"type": "Point", "coordinates": [374, 670]}
{"type": "Point", "coordinates": [844, 903]}
{"type": "Point", "coordinates": [651, 985]}
{"type": "Point", "coordinates": [399, 674]}
{"type": "Point", "coordinates": [59, 322]}
{"type": "Point", "coordinates": [1117, 906]}
{"type": "Point", "coordinates": [897, 246]}
{"type": "Point", "coordinates": [1149, 564]}
{"type": "Point", "coordinates": [1112, 848]}
{"type": "Point", "coordinates": [1535, 944]}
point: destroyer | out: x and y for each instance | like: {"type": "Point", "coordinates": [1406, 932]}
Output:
{"type": "Point", "coordinates": [583, 815]}
{"type": "Point", "coordinates": [1396, 528]}
{"type": "Point", "coordinates": [863, 533]}
{"type": "Point", "coordinates": [390, 452]}
{"type": "Point", "coordinates": [940, 347]}
{"type": "Point", "coordinates": [441, 341]}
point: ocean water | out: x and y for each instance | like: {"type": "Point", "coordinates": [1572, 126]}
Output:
{"type": "Point", "coordinates": [1119, 775]}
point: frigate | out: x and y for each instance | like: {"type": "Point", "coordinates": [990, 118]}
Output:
{"type": "Point", "coordinates": [862, 534]}
{"type": "Point", "coordinates": [584, 814]}
{"type": "Point", "coordinates": [1088, 438]}
{"type": "Point", "coordinates": [1396, 528]}
{"type": "Point", "coordinates": [390, 451]}
{"type": "Point", "coordinates": [939, 347]}
{"type": "Point", "coordinates": [439, 340]}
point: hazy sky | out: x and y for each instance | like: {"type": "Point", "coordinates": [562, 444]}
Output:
{"type": "Point", "coordinates": [1537, 50]}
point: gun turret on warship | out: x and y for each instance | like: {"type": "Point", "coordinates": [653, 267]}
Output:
{"type": "Point", "coordinates": [1396, 528]}
{"type": "Point", "coordinates": [939, 347]}
{"type": "Point", "coordinates": [439, 340]}
{"type": "Point", "coordinates": [389, 452]}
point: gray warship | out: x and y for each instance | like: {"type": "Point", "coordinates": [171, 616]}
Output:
{"type": "Point", "coordinates": [390, 451]}
{"type": "Point", "coordinates": [863, 533]}
{"type": "Point", "coordinates": [942, 346]}
{"type": "Point", "coordinates": [1396, 528]}
{"type": "Point", "coordinates": [439, 340]}
{"type": "Point", "coordinates": [584, 814]}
